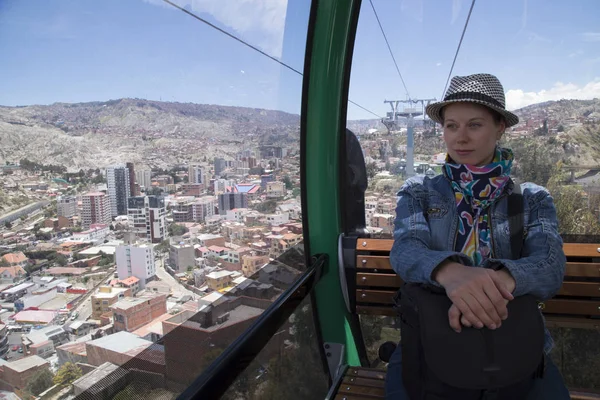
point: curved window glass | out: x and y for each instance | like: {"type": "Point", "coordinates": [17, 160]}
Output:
{"type": "Point", "coordinates": [404, 56]}
{"type": "Point", "coordinates": [150, 191]}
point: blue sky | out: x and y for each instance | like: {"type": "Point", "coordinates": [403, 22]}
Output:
{"type": "Point", "coordinates": [85, 50]}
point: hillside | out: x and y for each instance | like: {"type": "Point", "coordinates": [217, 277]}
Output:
{"type": "Point", "coordinates": [159, 134]}
{"type": "Point", "coordinates": [151, 133]}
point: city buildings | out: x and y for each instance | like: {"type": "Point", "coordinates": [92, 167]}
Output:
{"type": "Point", "coordinates": [66, 206]}
{"type": "Point", "coordinates": [136, 260]}
{"type": "Point", "coordinates": [96, 209]}
{"type": "Point", "coordinates": [229, 201]}
{"type": "Point", "coordinates": [146, 216]}
{"type": "Point", "coordinates": [119, 189]}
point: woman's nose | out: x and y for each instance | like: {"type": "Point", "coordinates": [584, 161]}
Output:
{"type": "Point", "coordinates": [462, 135]}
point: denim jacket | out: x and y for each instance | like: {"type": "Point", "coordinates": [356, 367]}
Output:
{"type": "Point", "coordinates": [426, 227]}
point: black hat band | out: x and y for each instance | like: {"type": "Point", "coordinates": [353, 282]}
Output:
{"type": "Point", "coordinates": [473, 96]}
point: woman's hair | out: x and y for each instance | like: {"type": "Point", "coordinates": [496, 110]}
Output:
{"type": "Point", "coordinates": [495, 114]}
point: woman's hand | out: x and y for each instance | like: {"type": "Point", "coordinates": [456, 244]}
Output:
{"type": "Point", "coordinates": [479, 295]}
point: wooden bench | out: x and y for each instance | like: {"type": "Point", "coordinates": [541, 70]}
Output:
{"type": "Point", "coordinates": [371, 286]}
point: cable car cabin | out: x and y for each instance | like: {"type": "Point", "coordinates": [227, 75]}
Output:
{"type": "Point", "coordinates": [276, 114]}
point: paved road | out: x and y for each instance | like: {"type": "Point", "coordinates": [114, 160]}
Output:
{"type": "Point", "coordinates": [177, 289]}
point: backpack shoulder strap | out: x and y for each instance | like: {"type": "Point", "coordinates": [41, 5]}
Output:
{"type": "Point", "coordinates": [516, 210]}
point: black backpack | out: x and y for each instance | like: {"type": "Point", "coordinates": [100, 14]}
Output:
{"type": "Point", "coordinates": [475, 364]}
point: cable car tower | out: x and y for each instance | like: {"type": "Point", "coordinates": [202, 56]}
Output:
{"type": "Point", "coordinates": [391, 122]}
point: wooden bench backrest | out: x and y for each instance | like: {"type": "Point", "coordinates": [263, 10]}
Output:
{"type": "Point", "coordinates": [578, 298]}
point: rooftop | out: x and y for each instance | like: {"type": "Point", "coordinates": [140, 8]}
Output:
{"type": "Point", "coordinates": [218, 274]}
{"type": "Point", "coordinates": [155, 326]}
{"type": "Point", "coordinates": [27, 363]}
{"type": "Point", "coordinates": [41, 316]}
{"type": "Point", "coordinates": [238, 314]}
{"type": "Point", "coordinates": [18, 288]}
{"type": "Point", "coordinates": [65, 271]}
{"type": "Point", "coordinates": [129, 302]}
{"type": "Point", "coordinates": [115, 291]}
{"type": "Point", "coordinates": [121, 342]}
{"type": "Point", "coordinates": [91, 378]}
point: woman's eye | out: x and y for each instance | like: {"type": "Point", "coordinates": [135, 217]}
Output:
{"type": "Point", "coordinates": [475, 125]}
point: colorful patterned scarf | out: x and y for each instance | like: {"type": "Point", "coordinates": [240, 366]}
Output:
{"type": "Point", "coordinates": [476, 188]}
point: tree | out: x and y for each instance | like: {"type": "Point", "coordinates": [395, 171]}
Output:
{"type": "Point", "coordinates": [534, 161]}
{"type": "Point", "coordinates": [67, 374]}
{"type": "Point", "coordinates": [560, 128]}
{"type": "Point", "coordinates": [267, 207]}
{"type": "Point", "coordinates": [8, 225]}
{"type": "Point", "coordinates": [371, 170]}
{"type": "Point", "coordinates": [288, 182]}
{"type": "Point", "coordinates": [39, 382]}
{"type": "Point", "coordinates": [61, 259]}
{"type": "Point", "coordinates": [177, 230]}
{"type": "Point", "coordinates": [163, 247]}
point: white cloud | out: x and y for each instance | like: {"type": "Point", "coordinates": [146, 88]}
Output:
{"type": "Point", "coordinates": [456, 6]}
{"type": "Point", "coordinates": [524, 15]}
{"type": "Point", "coordinates": [591, 36]}
{"type": "Point", "coordinates": [576, 53]}
{"type": "Point", "coordinates": [260, 22]}
{"type": "Point", "coordinates": [516, 98]}
{"type": "Point", "coordinates": [438, 64]}
{"type": "Point", "coordinates": [242, 71]}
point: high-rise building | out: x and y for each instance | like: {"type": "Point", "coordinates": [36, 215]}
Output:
{"type": "Point", "coordinates": [147, 215]}
{"type": "Point", "coordinates": [96, 209]}
{"type": "Point", "coordinates": [230, 201]}
{"type": "Point", "coordinates": [133, 191]}
{"type": "Point", "coordinates": [136, 260]}
{"type": "Point", "coordinates": [144, 178]}
{"type": "Point", "coordinates": [66, 206]}
{"type": "Point", "coordinates": [221, 185]}
{"type": "Point", "coordinates": [220, 165]}
{"type": "Point", "coordinates": [203, 208]}
{"type": "Point", "coordinates": [119, 189]}
{"type": "Point", "coordinates": [196, 174]}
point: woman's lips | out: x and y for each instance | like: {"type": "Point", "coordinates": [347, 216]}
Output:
{"type": "Point", "coordinates": [463, 152]}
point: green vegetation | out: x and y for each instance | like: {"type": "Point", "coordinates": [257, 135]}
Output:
{"type": "Point", "coordinates": [66, 374]}
{"type": "Point", "coordinates": [177, 230]}
{"type": "Point", "coordinates": [39, 382]}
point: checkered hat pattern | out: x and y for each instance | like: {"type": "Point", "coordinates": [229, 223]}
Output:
{"type": "Point", "coordinates": [484, 89]}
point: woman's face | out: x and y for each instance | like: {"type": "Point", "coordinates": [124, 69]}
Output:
{"type": "Point", "coordinates": [471, 133]}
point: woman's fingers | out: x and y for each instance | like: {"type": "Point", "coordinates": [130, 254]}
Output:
{"type": "Point", "coordinates": [483, 308]}
{"type": "Point", "coordinates": [465, 322]}
{"type": "Point", "coordinates": [501, 285]}
{"type": "Point", "coordinates": [467, 313]}
{"type": "Point", "coordinates": [454, 316]}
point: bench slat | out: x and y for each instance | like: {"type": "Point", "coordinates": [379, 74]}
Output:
{"type": "Point", "coordinates": [574, 269]}
{"type": "Point", "coordinates": [577, 307]}
{"type": "Point", "coordinates": [571, 249]}
{"type": "Point", "coordinates": [581, 289]}
{"type": "Point", "coordinates": [373, 262]}
{"type": "Point", "coordinates": [374, 244]}
{"type": "Point", "coordinates": [375, 296]}
{"type": "Point", "coordinates": [581, 249]}
{"type": "Point", "coordinates": [556, 321]}
{"type": "Point", "coordinates": [355, 380]}
{"type": "Point", "coordinates": [371, 373]}
{"type": "Point", "coordinates": [579, 269]}
{"type": "Point", "coordinates": [375, 392]}
{"type": "Point", "coordinates": [375, 279]}
{"type": "Point", "coordinates": [346, 396]}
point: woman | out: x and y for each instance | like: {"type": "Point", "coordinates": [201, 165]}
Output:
{"type": "Point", "coordinates": [447, 225]}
